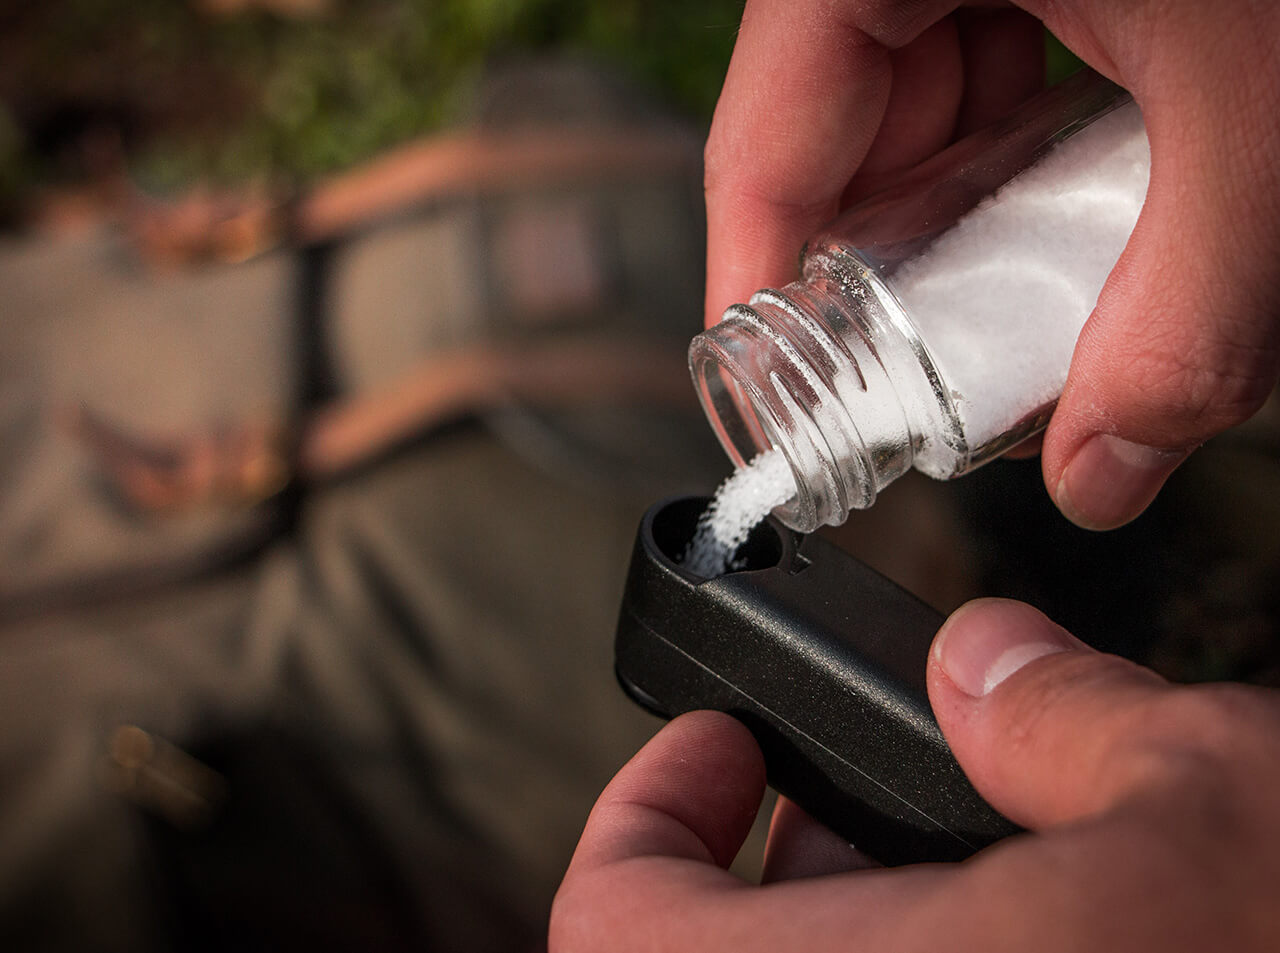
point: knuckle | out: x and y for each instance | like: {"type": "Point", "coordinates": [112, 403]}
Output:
{"type": "Point", "coordinates": [1204, 742]}
{"type": "Point", "coordinates": [1201, 744]}
{"type": "Point", "coordinates": [1032, 717]}
{"type": "Point", "coordinates": [1206, 388]}
{"type": "Point", "coordinates": [569, 921]}
{"type": "Point", "coordinates": [716, 161]}
{"type": "Point", "coordinates": [734, 175]}
{"type": "Point", "coordinates": [1216, 719]}
{"type": "Point", "coordinates": [761, 180]}
{"type": "Point", "coordinates": [1183, 780]}
{"type": "Point", "coordinates": [588, 915]}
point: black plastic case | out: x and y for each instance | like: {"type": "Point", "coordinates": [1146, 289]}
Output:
{"type": "Point", "coordinates": [824, 660]}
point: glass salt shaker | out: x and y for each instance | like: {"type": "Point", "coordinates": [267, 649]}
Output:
{"type": "Point", "coordinates": [934, 323]}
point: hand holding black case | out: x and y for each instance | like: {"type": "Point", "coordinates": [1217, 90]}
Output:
{"type": "Point", "coordinates": [824, 661]}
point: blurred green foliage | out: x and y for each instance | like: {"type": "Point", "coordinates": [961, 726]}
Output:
{"type": "Point", "coordinates": [230, 96]}
{"type": "Point", "coordinates": [253, 94]}
{"type": "Point", "coordinates": [1060, 62]}
{"type": "Point", "coordinates": [334, 90]}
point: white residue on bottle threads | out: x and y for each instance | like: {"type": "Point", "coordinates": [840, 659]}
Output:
{"type": "Point", "coordinates": [741, 502]}
{"type": "Point", "coordinates": [1000, 298]}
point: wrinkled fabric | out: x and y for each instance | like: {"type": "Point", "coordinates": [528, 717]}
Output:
{"type": "Point", "coordinates": [400, 682]}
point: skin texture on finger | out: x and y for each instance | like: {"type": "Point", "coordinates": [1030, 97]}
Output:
{"type": "Point", "coordinates": [1156, 806]}
{"type": "Point", "coordinates": [817, 92]}
{"type": "Point", "coordinates": [1175, 353]}
{"type": "Point", "coordinates": [802, 103]}
{"type": "Point", "coordinates": [924, 96]}
{"type": "Point", "coordinates": [1185, 339]}
{"type": "Point", "coordinates": [656, 802]}
{"type": "Point", "coordinates": [661, 835]}
{"type": "Point", "coordinates": [799, 846]}
{"type": "Point", "coordinates": [767, 186]}
{"type": "Point", "coordinates": [1184, 342]}
{"type": "Point", "coordinates": [1127, 879]}
{"type": "Point", "coordinates": [649, 873]}
{"type": "Point", "coordinates": [1069, 705]}
{"type": "Point", "coordinates": [1020, 701]}
{"type": "Point", "coordinates": [927, 93]}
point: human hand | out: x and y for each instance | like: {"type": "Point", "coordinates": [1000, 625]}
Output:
{"type": "Point", "coordinates": [824, 101]}
{"type": "Point", "coordinates": [1152, 810]}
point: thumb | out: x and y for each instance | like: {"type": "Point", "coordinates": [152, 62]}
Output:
{"type": "Point", "coordinates": [1185, 339]}
{"type": "Point", "coordinates": [1047, 729]}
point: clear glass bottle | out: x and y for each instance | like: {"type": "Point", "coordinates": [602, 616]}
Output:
{"type": "Point", "coordinates": [934, 323]}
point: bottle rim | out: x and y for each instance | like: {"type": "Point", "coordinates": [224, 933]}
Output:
{"type": "Point", "coordinates": [753, 411]}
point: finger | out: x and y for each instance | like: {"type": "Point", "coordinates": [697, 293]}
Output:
{"type": "Point", "coordinates": [927, 79]}
{"type": "Point", "coordinates": [1185, 339]}
{"type": "Point", "coordinates": [800, 847]}
{"type": "Point", "coordinates": [691, 792]}
{"type": "Point", "coordinates": [803, 99]}
{"type": "Point", "coordinates": [1047, 729]}
{"type": "Point", "coordinates": [648, 872]}
{"type": "Point", "coordinates": [665, 828]}
{"type": "Point", "coordinates": [1172, 355]}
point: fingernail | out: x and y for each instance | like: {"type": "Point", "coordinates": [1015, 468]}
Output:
{"type": "Point", "coordinates": [986, 641]}
{"type": "Point", "coordinates": [1111, 480]}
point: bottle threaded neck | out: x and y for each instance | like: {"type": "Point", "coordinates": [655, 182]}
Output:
{"type": "Point", "coordinates": [800, 370]}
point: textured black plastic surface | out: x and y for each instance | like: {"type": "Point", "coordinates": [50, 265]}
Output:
{"type": "Point", "coordinates": [824, 660]}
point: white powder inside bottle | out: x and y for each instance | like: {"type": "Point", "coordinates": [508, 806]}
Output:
{"type": "Point", "coordinates": [1000, 298]}
{"type": "Point", "coordinates": [741, 501]}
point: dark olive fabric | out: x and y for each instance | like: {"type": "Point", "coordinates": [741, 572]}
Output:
{"type": "Point", "coordinates": [396, 685]}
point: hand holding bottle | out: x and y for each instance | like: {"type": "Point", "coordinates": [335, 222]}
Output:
{"type": "Point", "coordinates": [824, 103]}
{"type": "Point", "coordinates": [1152, 811]}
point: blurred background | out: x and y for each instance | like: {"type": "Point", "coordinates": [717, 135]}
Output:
{"type": "Point", "coordinates": [341, 348]}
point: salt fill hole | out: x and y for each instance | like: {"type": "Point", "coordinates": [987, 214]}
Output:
{"type": "Point", "coordinates": [741, 502]}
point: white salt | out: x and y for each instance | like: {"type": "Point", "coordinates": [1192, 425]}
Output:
{"type": "Point", "coordinates": [1000, 298]}
{"type": "Point", "coordinates": [741, 502]}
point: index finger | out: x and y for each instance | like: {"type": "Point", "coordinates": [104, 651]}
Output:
{"type": "Point", "coordinates": [692, 792]}
{"type": "Point", "coordinates": [661, 835]}
{"type": "Point", "coordinates": [803, 99]}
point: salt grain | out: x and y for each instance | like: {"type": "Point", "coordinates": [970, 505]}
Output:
{"type": "Point", "coordinates": [1000, 298]}
{"type": "Point", "coordinates": [741, 502]}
